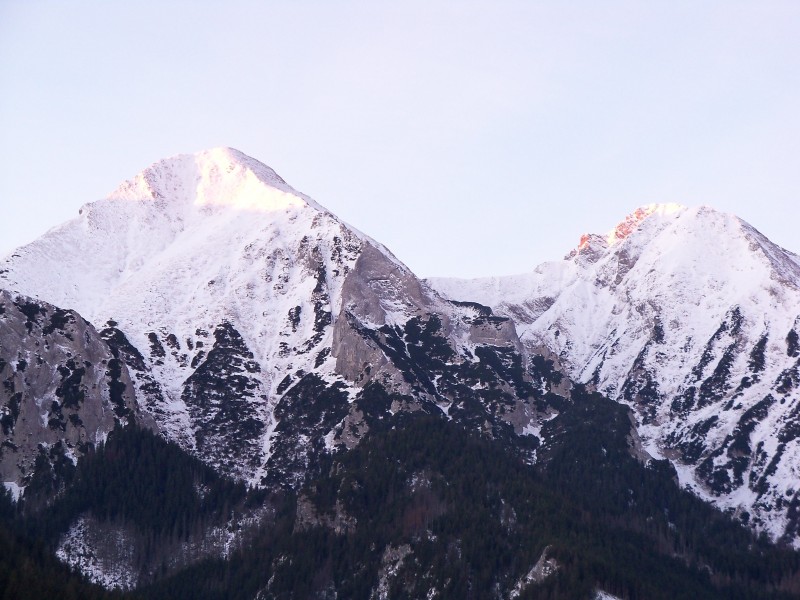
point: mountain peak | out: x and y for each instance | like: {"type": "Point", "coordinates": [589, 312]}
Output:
{"type": "Point", "coordinates": [219, 177]}
{"type": "Point", "coordinates": [633, 221]}
{"type": "Point", "coordinates": [592, 245]}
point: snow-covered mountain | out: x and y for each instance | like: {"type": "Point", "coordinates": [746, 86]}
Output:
{"type": "Point", "coordinates": [252, 319]}
{"type": "Point", "coordinates": [691, 316]}
{"type": "Point", "coordinates": [207, 300]}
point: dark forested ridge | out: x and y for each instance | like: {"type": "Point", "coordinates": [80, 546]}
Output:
{"type": "Point", "coordinates": [29, 571]}
{"type": "Point", "coordinates": [419, 505]}
{"type": "Point", "coordinates": [163, 501]}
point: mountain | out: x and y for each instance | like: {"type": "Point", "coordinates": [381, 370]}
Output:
{"type": "Point", "coordinates": [224, 391]}
{"type": "Point", "coordinates": [259, 332]}
{"type": "Point", "coordinates": [224, 288]}
{"type": "Point", "coordinates": [691, 317]}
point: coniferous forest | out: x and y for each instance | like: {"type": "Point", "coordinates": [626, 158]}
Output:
{"type": "Point", "coordinates": [436, 506]}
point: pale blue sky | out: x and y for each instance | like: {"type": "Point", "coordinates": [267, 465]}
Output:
{"type": "Point", "coordinates": [471, 138]}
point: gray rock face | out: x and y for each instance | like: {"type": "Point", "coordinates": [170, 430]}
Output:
{"type": "Point", "coordinates": [376, 292]}
{"type": "Point", "coordinates": [400, 348]}
{"type": "Point", "coordinates": [380, 292]}
{"type": "Point", "coordinates": [61, 388]}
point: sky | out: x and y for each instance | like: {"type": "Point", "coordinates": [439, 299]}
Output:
{"type": "Point", "coordinates": [471, 138]}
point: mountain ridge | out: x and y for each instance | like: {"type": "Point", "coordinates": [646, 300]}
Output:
{"type": "Point", "coordinates": [688, 308]}
{"type": "Point", "coordinates": [225, 281]}
{"type": "Point", "coordinates": [276, 351]}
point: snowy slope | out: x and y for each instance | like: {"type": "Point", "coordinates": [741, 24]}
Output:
{"type": "Point", "coordinates": [190, 244]}
{"type": "Point", "coordinates": [224, 288]}
{"type": "Point", "coordinates": [691, 316]}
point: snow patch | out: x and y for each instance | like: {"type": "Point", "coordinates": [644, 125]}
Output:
{"type": "Point", "coordinates": [544, 568]}
{"type": "Point", "coordinates": [14, 489]}
{"type": "Point", "coordinates": [108, 562]}
{"type": "Point", "coordinates": [391, 563]}
{"type": "Point", "coordinates": [601, 595]}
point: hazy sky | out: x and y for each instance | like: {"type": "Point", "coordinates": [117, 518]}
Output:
{"type": "Point", "coordinates": [471, 138]}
